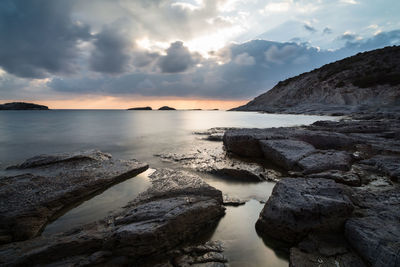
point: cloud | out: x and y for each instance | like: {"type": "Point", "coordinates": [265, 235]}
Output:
{"type": "Point", "coordinates": [244, 59]}
{"type": "Point", "coordinates": [178, 59]}
{"type": "Point", "coordinates": [39, 38]}
{"type": "Point", "coordinates": [348, 36]}
{"type": "Point", "coordinates": [111, 50]}
{"type": "Point", "coordinates": [309, 28]}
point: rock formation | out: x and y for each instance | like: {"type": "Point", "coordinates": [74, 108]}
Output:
{"type": "Point", "coordinates": [339, 204]}
{"type": "Point", "coordinates": [368, 81]}
{"type": "Point", "coordinates": [41, 188]}
{"type": "Point", "coordinates": [176, 208]}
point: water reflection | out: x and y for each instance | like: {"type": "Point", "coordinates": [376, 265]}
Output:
{"type": "Point", "coordinates": [98, 207]}
{"type": "Point", "coordinates": [243, 247]}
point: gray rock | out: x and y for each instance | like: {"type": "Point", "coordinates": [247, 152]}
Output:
{"type": "Point", "coordinates": [300, 206]}
{"type": "Point", "coordinates": [325, 160]}
{"type": "Point", "coordinates": [216, 161]}
{"type": "Point", "coordinates": [389, 165]}
{"type": "Point", "coordinates": [374, 232]}
{"type": "Point", "coordinates": [50, 184]}
{"type": "Point", "coordinates": [327, 139]}
{"type": "Point", "coordinates": [299, 258]}
{"type": "Point", "coordinates": [285, 153]}
{"type": "Point", "coordinates": [233, 201]}
{"type": "Point", "coordinates": [176, 208]}
{"type": "Point", "coordinates": [347, 178]}
{"type": "Point", "coordinates": [245, 142]}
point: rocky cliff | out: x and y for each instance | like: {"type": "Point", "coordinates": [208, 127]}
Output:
{"type": "Point", "coordinates": [366, 82]}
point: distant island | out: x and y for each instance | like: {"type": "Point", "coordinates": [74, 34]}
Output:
{"type": "Point", "coordinates": [166, 108]}
{"type": "Point", "coordinates": [140, 108]}
{"type": "Point", "coordinates": [22, 106]}
{"type": "Point", "coordinates": [368, 81]}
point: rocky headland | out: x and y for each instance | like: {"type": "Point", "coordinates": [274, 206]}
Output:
{"type": "Point", "coordinates": [367, 82]}
{"type": "Point", "coordinates": [22, 106]}
{"type": "Point", "coordinates": [140, 108]}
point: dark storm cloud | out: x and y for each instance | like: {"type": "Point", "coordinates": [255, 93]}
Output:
{"type": "Point", "coordinates": [39, 37]}
{"type": "Point", "coordinates": [309, 28]}
{"type": "Point", "coordinates": [177, 59]}
{"type": "Point", "coordinates": [110, 53]}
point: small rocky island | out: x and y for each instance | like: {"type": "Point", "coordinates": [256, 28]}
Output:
{"type": "Point", "coordinates": [166, 108]}
{"type": "Point", "coordinates": [140, 108]}
{"type": "Point", "coordinates": [22, 106]}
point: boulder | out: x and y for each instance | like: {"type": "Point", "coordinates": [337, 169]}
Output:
{"type": "Point", "coordinates": [51, 184]}
{"type": "Point", "coordinates": [285, 153]}
{"type": "Point", "coordinates": [325, 160]}
{"type": "Point", "coordinates": [177, 207]}
{"type": "Point", "coordinates": [299, 206]}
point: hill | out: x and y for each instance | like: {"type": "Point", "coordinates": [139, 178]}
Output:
{"type": "Point", "coordinates": [366, 82]}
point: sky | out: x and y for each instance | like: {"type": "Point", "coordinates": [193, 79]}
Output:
{"type": "Point", "coordinates": [185, 53]}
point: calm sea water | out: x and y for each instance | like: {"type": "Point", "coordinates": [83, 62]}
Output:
{"type": "Point", "coordinates": [140, 135]}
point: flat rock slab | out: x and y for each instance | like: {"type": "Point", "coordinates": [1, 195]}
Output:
{"type": "Point", "coordinates": [39, 189]}
{"type": "Point", "coordinates": [300, 206]}
{"type": "Point", "coordinates": [216, 161]}
{"type": "Point", "coordinates": [375, 232]}
{"type": "Point", "coordinates": [176, 208]}
{"type": "Point", "coordinates": [325, 160]}
{"type": "Point", "coordinates": [347, 178]}
{"type": "Point", "coordinates": [285, 153]}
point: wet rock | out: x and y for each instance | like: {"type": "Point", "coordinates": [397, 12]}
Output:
{"type": "Point", "coordinates": [348, 178]}
{"type": "Point", "coordinates": [325, 160]}
{"type": "Point", "coordinates": [299, 206]}
{"type": "Point", "coordinates": [232, 201]}
{"type": "Point", "coordinates": [213, 134]}
{"type": "Point", "coordinates": [389, 165]}
{"type": "Point", "coordinates": [208, 254]}
{"type": "Point", "coordinates": [176, 208]}
{"type": "Point", "coordinates": [326, 139]}
{"type": "Point", "coordinates": [245, 142]}
{"type": "Point", "coordinates": [374, 231]}
{"type": "Point", "coordinates": [285, 153]}
{"type": "Point", "coordinates": [216, 161]}
{"type": "Point", "coordinates": [42, 187]}
{"type": "Point", "coordinates": [299, 258]}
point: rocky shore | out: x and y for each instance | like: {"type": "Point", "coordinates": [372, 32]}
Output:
{"type": "Point", "coordinates": [338, 205]}
{"type": "Point", "coordinates": [153, 227]}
